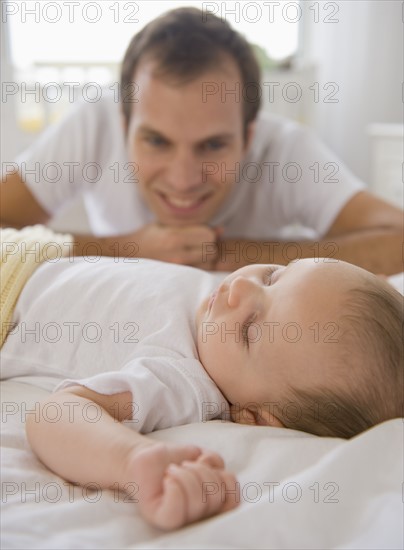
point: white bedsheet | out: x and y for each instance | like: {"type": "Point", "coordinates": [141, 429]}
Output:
{"type": "Point", "coordinates": [330, 493]}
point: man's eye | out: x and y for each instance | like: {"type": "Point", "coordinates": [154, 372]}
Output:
{"type": "Point", "coordinates": [213, 145]}
{"type": "Point", "coordinates": [156, 141]}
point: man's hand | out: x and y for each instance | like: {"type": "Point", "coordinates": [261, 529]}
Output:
{"type": "Point", "coordinates": [181, 484]}
{"type": "Point", "coordinates": [181, 245]}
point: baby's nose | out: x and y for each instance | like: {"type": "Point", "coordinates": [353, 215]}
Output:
{"type": "Point", "coordinates": [243, 290]}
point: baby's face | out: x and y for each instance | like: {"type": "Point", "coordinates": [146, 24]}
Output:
{"type": "Point", "coordinates": [269, 327]}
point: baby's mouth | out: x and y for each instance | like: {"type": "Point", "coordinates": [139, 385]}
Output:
{"type": "Point", "coordinates": [212, 298]}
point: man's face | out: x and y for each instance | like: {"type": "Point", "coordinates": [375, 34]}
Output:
{"type": "Point", "coordinates": [262, 332]}
{"type": "Point", "coordinates": [183, 144]}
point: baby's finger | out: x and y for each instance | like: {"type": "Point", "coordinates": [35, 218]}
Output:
{"type": "Point", "coordinates": [191, 486]}
{"type": "Point", "coordinates": [172, 511]}
{"type": "Point", "coordinates": [179, 453]}
{"type": "Point", "coordinates": [230, 491]}
{"type": "Point", "coordinates": [211, 458]}
{"type": "Point", "coordinates": [211, 488]}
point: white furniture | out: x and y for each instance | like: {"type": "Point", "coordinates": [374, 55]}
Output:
{"type": "Point", "coordinates": [386, 161]}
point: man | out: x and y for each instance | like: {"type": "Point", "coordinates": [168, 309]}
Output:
{"type": "Point", "coordinates": [197, 176]}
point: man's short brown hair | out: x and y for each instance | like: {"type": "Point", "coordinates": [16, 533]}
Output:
{"type": "Point", "coordinates": [185, 43]}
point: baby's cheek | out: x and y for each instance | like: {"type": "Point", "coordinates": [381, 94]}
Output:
{"type": "Point", "coordinates": [208, 335]}
{"type": "Point", "coordinates": [199, 314]}
{"type": "Point", "coordinates": [209, 353]}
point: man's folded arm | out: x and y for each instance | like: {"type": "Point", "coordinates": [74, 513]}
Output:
{"type": "Point", "coordinates": [368, 232]}
{"type": "Point", "coordinates": [18, 206]}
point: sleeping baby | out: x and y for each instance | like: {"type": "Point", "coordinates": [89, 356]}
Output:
{"type": "Point", "coordinates": [132, 347]}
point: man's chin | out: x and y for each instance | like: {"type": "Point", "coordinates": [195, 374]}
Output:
{"type": "Point", "coordinates": [173, 221]}
{"type": "Point", "coordinates": [176, 218]}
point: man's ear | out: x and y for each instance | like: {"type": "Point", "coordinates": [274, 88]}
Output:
{"type": "Point", "coordinates": [254, 416]}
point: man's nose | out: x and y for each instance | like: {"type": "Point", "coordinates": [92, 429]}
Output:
{"type": "Point", "coordinates": [183, 173]}
{"type": "Point", "coordinates": [244, 291]}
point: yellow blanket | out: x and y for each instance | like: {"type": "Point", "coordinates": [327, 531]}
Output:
{"type": "Point", "coordinates": [22, 251]}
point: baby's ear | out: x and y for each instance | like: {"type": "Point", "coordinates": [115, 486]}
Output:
{"type": "Point", "coordinates": [254, 416]}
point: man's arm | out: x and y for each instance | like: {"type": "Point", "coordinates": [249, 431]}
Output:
{"type": "Point", "coordinates": [182, 245]}
{"type": "Point", "coordinates": [18, 206]}
{"type": "Point", "coordinates": [368, 232]}
{"type": "Point", "coordinates": [88, 444]}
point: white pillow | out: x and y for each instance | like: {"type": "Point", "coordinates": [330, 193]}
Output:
{"type": "Point", "coordinates": [397, 281]}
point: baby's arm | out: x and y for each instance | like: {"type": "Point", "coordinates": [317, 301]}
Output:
{"type": "Point", "coordinates": [170, 478]}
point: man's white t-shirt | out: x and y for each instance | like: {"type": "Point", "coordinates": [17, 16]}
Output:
{"type": "Point", "coordinates": [288, 177]}
{"type": "Point", "coordinates": [116, 326]}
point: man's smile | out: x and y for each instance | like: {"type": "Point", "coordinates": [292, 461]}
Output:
{"type": "Point", "coordinates": [181, 205]}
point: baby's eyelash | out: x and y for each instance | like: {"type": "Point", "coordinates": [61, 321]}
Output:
{"type": "Point", "coordinates": [268, 274]}
{"type": "Point", "coordinates": [244, 334]}
{"type": "Point", "coordinates": [244, 330]}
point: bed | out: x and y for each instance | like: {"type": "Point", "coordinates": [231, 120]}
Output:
{"type": "Point", "coordinates": [297, 490]}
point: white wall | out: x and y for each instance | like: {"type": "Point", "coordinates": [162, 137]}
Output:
{"type": "Point", "coordinates": [13, 141]}
{"type": "Point", "coordinates": [9, 133]}
{"type": "Point", "coordinates": [363, 54]}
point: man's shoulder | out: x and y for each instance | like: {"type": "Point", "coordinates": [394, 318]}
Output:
{"type": "Point", "coordinates": [274, 135]}
{"type": "Point", "coordinates": [100, 122]}
{"type": "Point", "coordinates": [106, 104]}
{"type": "Point", "coordinates": [274, 126]}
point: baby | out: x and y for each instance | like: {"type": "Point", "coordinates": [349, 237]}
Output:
{"type": "Point", "coordinates": [313, 346]}
{"type": "Point", "coordinates": [320, 346]}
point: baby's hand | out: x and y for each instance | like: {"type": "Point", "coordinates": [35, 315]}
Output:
{"type": "Point", "coordinates": [180, 484]}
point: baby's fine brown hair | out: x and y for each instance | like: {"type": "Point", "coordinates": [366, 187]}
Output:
{"type": "Point", "coordinates": [372, 339]}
